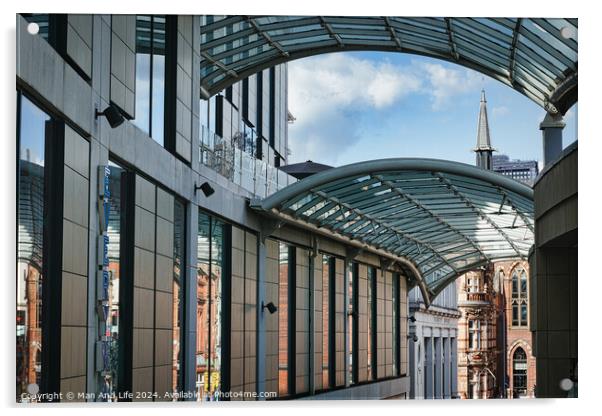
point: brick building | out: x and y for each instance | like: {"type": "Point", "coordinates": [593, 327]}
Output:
{"type": "Point", "coordinates": [495, 355]}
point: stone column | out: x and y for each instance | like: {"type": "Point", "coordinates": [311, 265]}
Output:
{"type": "Point", "coordinates": [428, 368]}
{"type": "Point", "coordinates": [551, 128]}
{"type": "Point", "coordinates": [454, 367]}
{"type": "Point", "coordinates": [438, 365]}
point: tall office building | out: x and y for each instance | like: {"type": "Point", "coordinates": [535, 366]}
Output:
{"type": "Point", "coordinates": [525, 171]}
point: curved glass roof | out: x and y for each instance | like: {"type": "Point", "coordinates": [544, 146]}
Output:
{"type": "Point", "coordinates": [537, 57]}
{"type": "Point", "coordinates": [442, 217]}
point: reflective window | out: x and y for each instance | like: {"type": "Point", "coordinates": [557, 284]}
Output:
{"type": "Point", "coordinates": [210, 265]}
{"type": "Point", "coordinates": [351, 321]}
{"type": "Point", "coordinates": [519, 373]}
{"type": "Point", "coordinates": [520, 297]}
{"type": "Point", "coordinates": [328, 276]}
{"type": "Point", "coordinates": [30, 243]}
{"type": "Point", "coordinates": [150, 75]}
{"type": "Point", "coordinates": [283, 319]}
{"type": "Point", "coordinates": [396, 306]}
{"type": "Point", "coordinates": [371, 323]}
{"type": "Point", "coordinates": [474, 334]}
{"type": "Point", "coordinates": [111, 382]}
{"type": "Point", "coordinates": [178, 292]}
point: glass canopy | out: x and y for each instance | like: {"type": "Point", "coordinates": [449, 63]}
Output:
{"type": "Point", "coordinates": [442, 218]}
{"type": "Point", "coordinates": [537, 57]}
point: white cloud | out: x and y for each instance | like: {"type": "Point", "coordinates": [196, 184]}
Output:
{"type": "Point", "coordinates": [500, 111]}
{"type": "Point", "coordinates": [444, 82]}
{"type": "Point", "coordinates": [326, 94]}
{"type": "Point", "coordinates": [329, 93]}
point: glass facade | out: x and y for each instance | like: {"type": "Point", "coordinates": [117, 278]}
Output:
{"type": "Point", "coordinates": [520, 297]}
{"type": "Point", "coordinates": [519, 373]}
{"type": "Point", "coordinates": [395, 329]}
{"type": "Point", "coordinates": [150, 75]}
{"type": "Point", "coordinates": [209, 306]}
{"type": "Point", "coordinates": [179, 276]}
{"type": "Point", "coordinates": [371, 323]}
{"type": "Point", "coordinates": [328, 266]}
{"type": "Point", "coordinates": [283, 320]}
{"type": "Point", "coordinates": [111, 381]}
{"type": "Point", "coordinates": [30, 243]}
{"type": "Point", "coordinates": [352, 322]}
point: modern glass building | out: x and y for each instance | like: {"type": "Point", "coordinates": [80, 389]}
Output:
{"type": "Point", "coordinates": [162, 255]}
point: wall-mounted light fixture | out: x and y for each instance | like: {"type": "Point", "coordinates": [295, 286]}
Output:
{"type": "Point", "coordinates": [112, 114]}
{"type": "Point", "coordinates": [270, 307]}
{"type": "Point", "coordinates": [413, 337]}
{"type": "Point", "coordinates": [206, 188]}
{"type": "Point", "coordinates": [411, 318]}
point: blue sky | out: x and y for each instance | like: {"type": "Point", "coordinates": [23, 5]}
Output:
{"type": "Point", "coordinates": [354, 106]}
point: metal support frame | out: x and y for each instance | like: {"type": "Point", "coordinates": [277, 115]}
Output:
{"type": "Point", "coordinates": [391, 208]}
{"type": "Point", "coordinates": [534, 67]}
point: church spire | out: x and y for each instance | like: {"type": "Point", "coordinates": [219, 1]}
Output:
{"type": "Point", "coordinates": [483, 150]}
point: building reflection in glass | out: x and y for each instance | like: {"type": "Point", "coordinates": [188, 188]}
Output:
{"type": "Point", "coordinates": [30, 244]}
{"type": "Point", "coordinates": [209, 306]}
{"type": "Point", "coordinates": [178, 304]}
{"type": "Point", "coordinates": [283, 317]}
{"type": "Point", "coordinates": [326, 276]}
{"type": "Point", "coordinates": [150, 75]}
{"type": "Point", "coordinates": [110, 386]}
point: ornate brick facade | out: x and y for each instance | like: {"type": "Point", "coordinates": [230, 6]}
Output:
{"type": "Point", "coordinates": [494, 343]}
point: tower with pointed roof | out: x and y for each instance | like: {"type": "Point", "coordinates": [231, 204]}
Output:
{"type": "Point", "coordinates": [484, 150]}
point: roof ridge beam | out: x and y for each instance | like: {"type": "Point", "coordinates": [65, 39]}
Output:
{"type": "Point", "coordinates": [220, 65]}
{"type": "Point", "coordinates": [331, 32]}
{"type": "Point", "coordinates": [394, 35]}
{"type": "Point", "coordinates": [513, 48]}
{"type": "Point", "coordinates": [452, 42]}
{"type": "Point", "coordinates": [267, 37]}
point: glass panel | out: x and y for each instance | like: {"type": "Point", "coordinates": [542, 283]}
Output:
{"type": "Point", "coordinates": [143, 74]}
{"type": "Point", "coordinates": [210, 260]}
{"type": "Point", "coordinates": [178, 293]}
{"type": "Point", "coordinates": [202, 315]}
{"type": "Point", "coordinates": [395, 301]}
{"type": "Point", "coordinates": [30, 242]}
{"type": "Point", "coordinates": [514, 284]}
{"type": "Point", "coordinates": [217, 259]}
{"type": "Point", "coordinates": [352, 274]}
{"type": "Point", "coordinates": [150, 75]}
{"type": "Point", "coordinates": [523, 284]}
{"type": "Point", "coordinates": [113, 252]}
{"type": "Point", "coordinates": [523, 314]}
{"type": "Point", "coordinates": [326, 263]}
{"type": "Point", "coordinates": [371, 321]}
{"type": "Point", "coordinates": [283, 314]}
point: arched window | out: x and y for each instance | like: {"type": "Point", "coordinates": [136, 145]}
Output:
{"type": "Point", "coordinates": [520, 297]}
{"type": "Point", "coordinates": [519, 373]}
